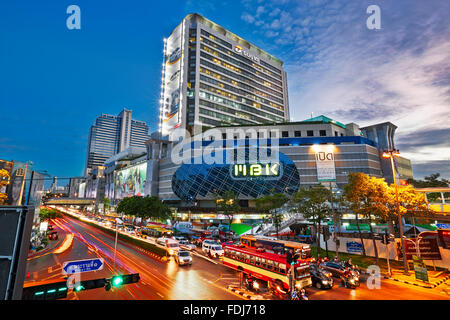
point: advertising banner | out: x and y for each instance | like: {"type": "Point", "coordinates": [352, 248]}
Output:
{"type": "Point", "coordinates": [325, 163]}
{"type": "Point", "coordinates": [130, 181]}
{"type": "Point", "coordinates": [172, 81]}
{"type": "Point", "coordinates": [6, 168]}
{"type": "Point", "coordinates": [354, 247]}
{"type": "Point", "coordinates": [428, 249]}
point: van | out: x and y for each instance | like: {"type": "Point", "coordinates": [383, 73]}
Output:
{"type": "Point", "coordinates": [212, 249]}
{"type": "Point", "coordinates": [171, 245]}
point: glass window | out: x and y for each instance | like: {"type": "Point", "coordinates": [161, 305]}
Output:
{"type": "Point", "coordinates": [297, 133]}
{"type": "Point", "coordinates": [269, 264]}
{"type": "Point", "coordinates": [323, 133]}
{"type": "Point", "coordinates": [310, 133]}
{"type": "Point", "coordinates": [263, 263]}
{"type": "Point", "coordinates": [257, 261]}
{"type": "Point", "coordinates": [285, 134]}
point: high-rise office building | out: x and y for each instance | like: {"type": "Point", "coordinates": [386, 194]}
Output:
{"type": "Point", "coordinates": [212, 77]}
{"type": "Point", "coordinates": [112, 134]}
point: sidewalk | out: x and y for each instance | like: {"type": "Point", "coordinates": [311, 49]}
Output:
{"type": "Point", "coordinates": [435, 278]}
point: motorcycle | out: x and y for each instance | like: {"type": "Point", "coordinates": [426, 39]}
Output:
{"type": "Point", "coordinates": [350, 281]}
{"type": "Point", "coordinates": [298, 295]}
{"type": "Point", "coordinates": [251, 285]}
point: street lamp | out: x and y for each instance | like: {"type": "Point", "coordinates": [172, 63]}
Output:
{"type": "Point", "coordinates": [23, 182]}
{"type": "Point", "coordinates": [391, 154]}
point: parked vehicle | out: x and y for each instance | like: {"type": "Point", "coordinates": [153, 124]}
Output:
{"type": "Point", "coordinates": [183, 257]}
{"type": "Point", "coordinates": [184, 244]}
{"type": "Point", "coordinates": [212, 249]}
{"type": "Point", "coordinates": [320, 278]}
{"type": "Point", "coordinates": [171, 245]}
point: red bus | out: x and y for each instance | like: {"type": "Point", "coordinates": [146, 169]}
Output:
{"type": "Point", "coordinates": [266, 266]}
{"type": "Point", "coordinates": [274, 245]}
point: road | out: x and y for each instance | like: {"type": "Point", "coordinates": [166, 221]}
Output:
{"type": "Point", "coordinates": [203, 280]}
{"type": "Point", "coordinates": [159, 280]}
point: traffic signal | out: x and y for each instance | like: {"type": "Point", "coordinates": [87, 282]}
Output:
{"type": "Point", "coordinates": [90, 284]}
{"type": "Point", "coordinates": [117, 281]}
{"type": "Point", "coordinates": [289, 257]}
{"type": "Point", "coordinates": [326, 233]}
{"type": "Point", "coordinates": [49, 291]}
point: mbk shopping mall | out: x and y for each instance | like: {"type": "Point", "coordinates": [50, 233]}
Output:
{"type": "Point", "coordinates": [225, 126]}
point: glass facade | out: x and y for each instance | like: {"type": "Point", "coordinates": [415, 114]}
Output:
{"type": "Point", "coordinates": [193, 180]}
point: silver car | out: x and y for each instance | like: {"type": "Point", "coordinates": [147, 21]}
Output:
{"type": "Point", "coordinates": [183, 257]}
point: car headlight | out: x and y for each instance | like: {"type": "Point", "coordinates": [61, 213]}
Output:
{"type": "Point", "coordinates": [352, 281]}
{"type": "Point", "coordinates": [255, 285]}
{"type": "Point", "coordinates": [325, 282]}
{"type": "Point", "coordinates": [171, 252]}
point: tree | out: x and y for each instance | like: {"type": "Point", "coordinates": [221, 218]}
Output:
{"type": "Point", "coordinates": [271, 202]}
{"type": "Point", "coordinates": [227, 204]}
{"type": "Point", "coordinates": [428, 182]}
{"type": "Point", "coordinates": [410, 201]}
{"type": "Point", "coordinates": [49, 213]}
{"type": "Point", "coordinates": [106, 203]}
{"type": "Point", "coordinates": [313, 204]}
{"type": "Point", "coordinates": [144, 207]}
{"type": "Point", "coordinates": [368, 197]}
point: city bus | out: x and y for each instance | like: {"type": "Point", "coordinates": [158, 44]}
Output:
{"type": "Point", "coordinates": [276, 246]}
{"type": "Point", "coordinates": [266, 266]}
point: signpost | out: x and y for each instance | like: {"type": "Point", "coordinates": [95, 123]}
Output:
{"type": "Point", "coordinates": [420, 269]}
{"type": "Point", "coordinates": [80, 266]}
{"type": "Point", "coordinates": [354, 247]}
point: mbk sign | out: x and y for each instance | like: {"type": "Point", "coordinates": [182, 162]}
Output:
{"type": "Point", "coordinates": [325, 162]}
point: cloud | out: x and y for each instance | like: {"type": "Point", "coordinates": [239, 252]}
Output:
{"type": "Point", "coordinates": [247, 18]}
{"type": "Point", "coordinates": [337, 67]}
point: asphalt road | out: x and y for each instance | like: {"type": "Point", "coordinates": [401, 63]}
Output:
{"type": "Point", "coordinates": [159, 280]}
{"type": "Point", "coordinates": [205, 279]}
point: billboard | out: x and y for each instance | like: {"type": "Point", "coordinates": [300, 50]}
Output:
{"type": "Point", "coordinates": [172, 85]}
{"type": "Point", "coordinates": [130, 181]}
{"type": "Point", "coordinates": [326, 170]}
{"type": "Point", "coordinates": [6, 168]}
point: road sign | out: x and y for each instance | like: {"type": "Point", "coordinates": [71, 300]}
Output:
{"type": "Point", "coordinates": [442, 226]}
{"type": "Point", "coordinates": [428, 249]}
{"type": "Point", "coordinates": [420, 269]}
{"type": "Point", "coordinates": [79, 266]}
{"type": "Point", "coordinates": [354, 247]}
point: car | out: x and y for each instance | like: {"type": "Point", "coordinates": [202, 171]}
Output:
{"type": "Point", "coordinates": [184, 244]}
{"type": "Point", "coordinates": [335, 268]}
{"type": "Point", "coordinates": [171, 246]}
{"type": "Point", "coordinates": [214, 250]}
{"type": "Point", "coordinates": [178, 238]}
{"type": "Point", "coordinates": [321, 278]}
{"type": "Point", "coordinates": [52, 235]}
{"type": "Point", "coordinates": [183, 257]}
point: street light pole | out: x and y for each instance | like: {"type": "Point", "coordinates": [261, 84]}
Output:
{"type": "Point", "coordinates": [390, 154]}
{"type": "Point", "coordinates": [23, 183]}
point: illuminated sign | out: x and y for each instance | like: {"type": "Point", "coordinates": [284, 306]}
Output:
{"type": "Point", "coordinates": [255, 170]}
{"type": "Point", "coordinates": [239, 50]}
{"type": "Point", "coordinates": [325, 162]}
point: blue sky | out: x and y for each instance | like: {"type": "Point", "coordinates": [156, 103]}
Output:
{"type": "Point", "coordinates": [55, 82]}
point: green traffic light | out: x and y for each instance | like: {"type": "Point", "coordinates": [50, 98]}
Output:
{"type": "Point", "coordinates": [117, 281]}
{"type": "Point", "coordinates": [79, 288]}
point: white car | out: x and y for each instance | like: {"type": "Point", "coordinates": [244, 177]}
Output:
{"type": "Point", "coordinates": [184, 244]}
{"type": "Point", "coordinates": [214, 250]}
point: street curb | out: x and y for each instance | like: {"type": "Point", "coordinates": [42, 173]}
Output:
{"type": "Point", "coordinates": [248, 296]}
{"type": "Point", "coordinates": [431, 286]}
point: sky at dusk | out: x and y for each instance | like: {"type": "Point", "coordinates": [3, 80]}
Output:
{"type": "Point", "coordinates": [55, 81]}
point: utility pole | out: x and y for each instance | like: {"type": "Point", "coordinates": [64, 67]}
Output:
{"type": "Point", "coordinates": [390, 154]}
